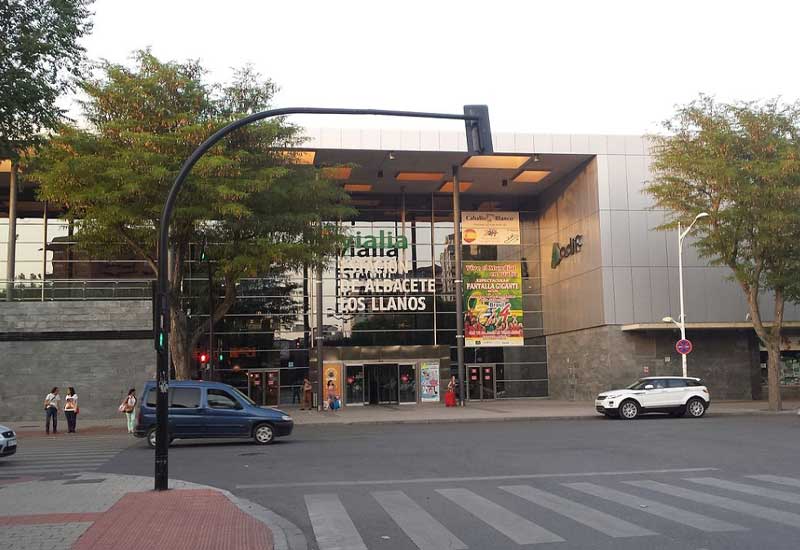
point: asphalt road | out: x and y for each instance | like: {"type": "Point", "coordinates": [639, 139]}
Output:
{"type": "Point", "coordinates": [655, 483]}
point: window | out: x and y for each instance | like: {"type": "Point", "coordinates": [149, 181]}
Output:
{"type": "Point", "coordinates": [659, 383]}
{"type": "Point", "coordinates": [184, 398]}
{"type": "Point", "coordinates": [220, 399]}
{"type": "Point", "coordinates": [151, 398]}
{"type": "Point", "coordinates": [676, 383]}
{"type": "Point", "coordinates": [694, 383]}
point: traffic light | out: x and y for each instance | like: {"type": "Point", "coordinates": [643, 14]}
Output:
{"type": "Point", "coordinates": [479, 133]}
{"type": "Point", "coordinates": [203, 357]}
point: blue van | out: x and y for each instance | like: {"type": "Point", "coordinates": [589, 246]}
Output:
{"type": "Point", "coordinates": [210, 409]}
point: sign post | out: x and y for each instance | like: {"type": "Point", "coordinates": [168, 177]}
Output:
{"type": "Point", "coordinates": [683, 346]}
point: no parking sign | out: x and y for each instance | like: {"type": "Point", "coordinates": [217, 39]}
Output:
{"type": "Point", "coordinates": [683, 346]}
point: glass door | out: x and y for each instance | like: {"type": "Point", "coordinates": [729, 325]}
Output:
{"type": "Point", "coordinates": [473, 382]}
{"type": "Point", "coordinates": [480, 382]}
{"type": "Point", "coordinates": [354, 385]}
{"type": "Point", "coordinates": [408, 385]}
{"type": "Point", "coordinates": [271, 387]}
{"type": "Point", "coordinates": [388, 386]}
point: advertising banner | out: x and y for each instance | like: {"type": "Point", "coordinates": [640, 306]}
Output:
{"type": "Point", "coordinates": [429, 381]}
{"type": "Point", "coordinates": [493, 228]}
{"type": "Point", "coordinates": [492, 304]}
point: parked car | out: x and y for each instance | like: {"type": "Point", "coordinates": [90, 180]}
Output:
{"type": "Point", "coordinates": [200, 409]}
{"type": "Point", "coordinates": [676, 395]}
{"type": "Point", "coordinates": [8, 441]}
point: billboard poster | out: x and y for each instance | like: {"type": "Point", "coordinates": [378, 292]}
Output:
{"type": "Point", "coordinates": [429, 381]}
{"type": "Point", "coordinates": [492, 304]}
{"type": "Point", "coordinates": [492, 228]}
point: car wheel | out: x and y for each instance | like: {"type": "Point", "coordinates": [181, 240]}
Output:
{"type": "Point", "coordinates": [696, 407]}
{"type": "Point", "coordinates": [628, 409]}
{"type": "Point", "coordinates": [151, 438]}
{"type": "Point", "coordinates": [263, 434]}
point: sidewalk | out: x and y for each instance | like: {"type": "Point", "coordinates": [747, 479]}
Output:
{"type": "Point", "coordinates": [97, 511]}
{"type": "Point", "coordinates": [522, 409]}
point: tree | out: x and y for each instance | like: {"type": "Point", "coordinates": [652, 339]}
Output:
{"type": "Point", "coordinates": [257, 212]}
{"type": "Point", "coordinates": [39, 59]}
{"type": "Point", "coordinates": [740, 163]}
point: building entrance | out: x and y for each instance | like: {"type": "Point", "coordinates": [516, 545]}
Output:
{"type": "Point", "coordinates": [380, 384]}
{"type": "Point", "coordinates": [480, 382]}
{"type": "Point", "coordinates": [263, 387]}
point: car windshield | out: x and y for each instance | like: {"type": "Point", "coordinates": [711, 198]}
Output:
{"type": "Point", "coordinates": [639, 385]}
{"type": "Point", "coordinates": [243, 396]}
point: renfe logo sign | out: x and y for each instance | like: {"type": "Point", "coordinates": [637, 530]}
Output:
{"type": "Point", "coordinates": [561, 252]}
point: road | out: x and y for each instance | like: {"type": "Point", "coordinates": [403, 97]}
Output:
{"type": "Point", "coordinates": [655, 483]}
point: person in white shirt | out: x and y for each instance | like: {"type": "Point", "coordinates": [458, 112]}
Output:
{"type": "Point", "coordinates": [71, 409]}
{"type": "Point", "coordinates": [51, 410]}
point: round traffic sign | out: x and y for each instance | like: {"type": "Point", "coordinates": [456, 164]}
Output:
{"type": "Point", "coordinates": [684, 347]}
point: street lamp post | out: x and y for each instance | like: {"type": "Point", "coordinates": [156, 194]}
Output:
{"type": "Point", "coordinates": [682, 324]}
{"type": "Point", "coordinates": [479, 141]}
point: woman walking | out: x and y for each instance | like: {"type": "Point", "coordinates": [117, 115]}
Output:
{"type": "Point", "coordinates": [51, 410]}
{"type": "Point", "coordinates": [128, 406]}
{"type": "Point", "coordinates": [71, 409]}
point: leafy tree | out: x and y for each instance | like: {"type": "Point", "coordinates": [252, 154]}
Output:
{"type": "Point", "coordinates": [257, 212]}
{"type": "Point", "coordinates": [39, 58]}
{"type": "Point", "coordinates": [740, 163]}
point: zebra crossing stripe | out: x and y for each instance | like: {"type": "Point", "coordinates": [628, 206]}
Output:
{"type": "Point", "coordinates": [755, 490]}
{"type": "Point", "coordinates": [654, 508]}
{"type": "Point", "coordinates": [517, 528]}
{"type": "Point", "coordinates": [761, 512]}
{"type": "Point", "coordinates": [422, 528]}
{"type": "Point", "coordinates": [600, 521]}
{"type": "Point", "coordinates": [780, 480]}
{"type": "Point", "coordinates": [332, 526]}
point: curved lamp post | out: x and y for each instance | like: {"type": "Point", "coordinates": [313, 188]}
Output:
{"type": "Point", "coordinates": [479, 140]}
{"type": "Point", "coordinates": [682, 324]}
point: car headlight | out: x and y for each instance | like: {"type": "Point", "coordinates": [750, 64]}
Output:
{"type": "Point", "coordinates": [612, 396]}
{"type": "Point", "coordinates": [286, 417]}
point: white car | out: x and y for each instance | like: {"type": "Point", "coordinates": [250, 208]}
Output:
{"type": "Point", "coordinates": [676, 395]}
{"type": "Point", "coordinates": [8, 441]}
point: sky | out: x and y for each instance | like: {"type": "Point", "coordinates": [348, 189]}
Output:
{"type": "Point", "coordinates": [562, 66]}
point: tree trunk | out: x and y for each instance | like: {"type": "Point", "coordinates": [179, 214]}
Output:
{"type": "Point", "coordinates": [178, 345]}
{"type": "Point", "coordinates": [774, 374]}
{"type": "Point", "coordinates": [219, 312]}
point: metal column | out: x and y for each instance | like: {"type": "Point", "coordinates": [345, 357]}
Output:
{"type": "Point", "coordinates": [457, 280]}
{"type": "Point", "coordinates": [44, 248]}
{"type": "Point", "coordinates": [319, 338]}
{"type": "Point", "coordinates": [11, 259]}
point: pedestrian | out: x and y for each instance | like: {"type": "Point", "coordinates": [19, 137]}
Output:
{"type": "Point", "coordinates": [331, 395]}
{"type": "Point", "coordinates": [71, 409]}
{"type": "Point", "coordinates": [450, 396]}
{"type": "Point", "coordinates": [128, 406]}
{"type": "Point", "coordinates": [295, 394]}
{"type": "Point", "coordinates": [307, 397]}
{"type": "Point", "coordinates": [51, 410]}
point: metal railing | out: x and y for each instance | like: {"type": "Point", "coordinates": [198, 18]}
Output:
{"type": "Point", "coordinates": [76, 290]}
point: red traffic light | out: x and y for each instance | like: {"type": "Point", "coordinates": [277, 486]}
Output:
{"type": "Point", "coordinates": [204, 357]}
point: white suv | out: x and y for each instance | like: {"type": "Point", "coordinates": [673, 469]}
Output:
{"type": "Point", "coordinates": [676, 395]}
{"type": "Point", "coordinates": [8, 441]}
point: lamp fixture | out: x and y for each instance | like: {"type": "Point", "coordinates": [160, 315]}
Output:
{"type": "Point", "coordinates": [447, 187]}
{"type": "Point", "coordinates": [531, 176]}
{"type": "Point", "coordinates": [358, 187]}
{"type": "Point", "coordinates": [509, 162]}
{"type": "Point", "coordinates": [295, 156]}
{"type": "Point", "coordinates": [419, 176]}
{"type": "Point", "coordinates": [336, 172]}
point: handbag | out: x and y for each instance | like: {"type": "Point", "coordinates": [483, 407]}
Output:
{"type": "Point", "coordinates": [337, 404]}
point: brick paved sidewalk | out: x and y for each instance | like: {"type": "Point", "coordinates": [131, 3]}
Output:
{"type": "Point", "coordinates": [97, 511]}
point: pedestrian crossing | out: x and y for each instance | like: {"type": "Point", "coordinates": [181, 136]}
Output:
{"type": "Point", "coordinates": [61, 455]}
{"type": "Point", "coordinates": [616, 509]}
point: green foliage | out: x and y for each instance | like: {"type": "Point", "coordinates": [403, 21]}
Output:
{"type": "Point", "coordinates": [256, 212]}
{"type": "Point", "coordinates": [39, 58]}
{"type": "Point", "coordinates": [740, 163]}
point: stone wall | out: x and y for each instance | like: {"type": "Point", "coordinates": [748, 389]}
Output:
{"type": "Point", "coordinates": [102, 348]}
{"type": "Point", "coordinates": [583, 363]}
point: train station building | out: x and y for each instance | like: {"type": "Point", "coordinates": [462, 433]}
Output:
{"type": "Point", "coordinates": [565, 281]}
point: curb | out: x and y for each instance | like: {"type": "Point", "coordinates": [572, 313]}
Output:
{"type": "Point", "coordinates": [285, 534]}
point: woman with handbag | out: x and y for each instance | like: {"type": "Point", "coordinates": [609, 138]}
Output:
{"type": "Point", "coordinates": [71, 409]}
{"type": "Point", "coordinates": [128, 406]}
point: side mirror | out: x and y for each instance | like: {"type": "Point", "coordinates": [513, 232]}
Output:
{"type": "Point", "coordinates": [649, 387]}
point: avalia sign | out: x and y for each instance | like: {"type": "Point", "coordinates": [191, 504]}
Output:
{"type": "Point", "coordinates": [561, 252]}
